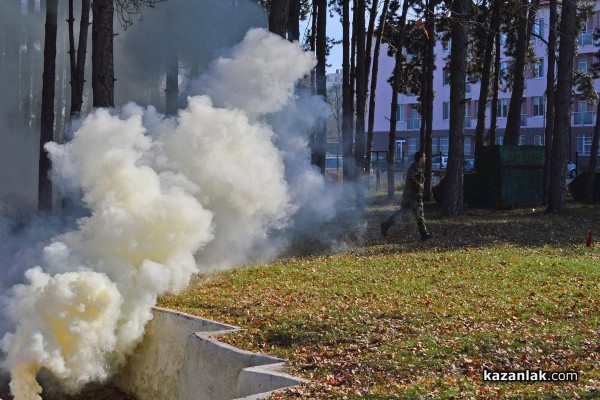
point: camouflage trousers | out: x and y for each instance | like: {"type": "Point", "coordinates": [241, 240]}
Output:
{"type": "Point", "coordinates": [409, 210]}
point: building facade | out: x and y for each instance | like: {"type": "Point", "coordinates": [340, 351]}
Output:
{"type": "Point", "coordinates": [583, 115]}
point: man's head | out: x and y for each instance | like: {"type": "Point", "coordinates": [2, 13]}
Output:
{"type": "Point", "coordinates": [420, 157]}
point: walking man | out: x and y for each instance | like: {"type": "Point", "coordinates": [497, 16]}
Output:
{"type": "Point", "coordinates": [412, 199]}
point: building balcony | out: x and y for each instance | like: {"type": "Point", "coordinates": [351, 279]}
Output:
{"type": "Point", "coordinates": [585, 38]}
{"type": "Point", "coordinates": [583, 118]}
{"type": "Point", "coordinates": [413, 123]}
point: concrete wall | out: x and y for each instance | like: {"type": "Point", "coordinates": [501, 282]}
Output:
{"type": "Point", "coordinates": [181, 359]}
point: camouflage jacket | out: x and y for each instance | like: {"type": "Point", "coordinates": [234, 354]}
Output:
{"type": "Point", "coordinates": [415, 179]}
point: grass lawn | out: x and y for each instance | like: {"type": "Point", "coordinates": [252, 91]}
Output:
{"type": "Point", "coordinates": [398, 318]}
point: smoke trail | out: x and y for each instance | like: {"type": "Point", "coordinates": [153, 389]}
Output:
{"type": "Point", "coordinates": [210, 183]}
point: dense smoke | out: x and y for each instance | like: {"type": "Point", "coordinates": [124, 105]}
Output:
{"type": "Point", "coordinates": [165, 197]}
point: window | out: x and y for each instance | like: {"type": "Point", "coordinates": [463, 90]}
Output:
{"type": "Point", "coordinates": [435, 146]}
{"type": "Point", "coordinates": [584, 144]}
{"type": "Point", "coordinates": [446, 111]}
{"type": "Point", "coordinates": [468, 146]}
{"type": "Point", "coordinates": [444, 144]}
{"type": "Point", "coordinates": [538, 140]}
{"type": "Point", "coordinates": [537, 106]}
{"type": "Point", "coordinates": [582, 64]}
{"type": "Point", "coordinates": [503, 72]}
{"type": "Point", "coordinates": [400, 113]}
{"type": "Point", "coordinates": [413, 145]}
{"type": "Point", "coordinates": [538, 68]}
{"type": "Point", "coordinates": [502, 108]}
{"type": "Point", "coordinates": [414, 118]}
{"type": "Point", "coordinates": [446, 76]}
{"type": "Point", "coordinates": [499, 139]}
{"type": "Point", "coordinates": [538, 29]}
{"type": "Point", "coordinates": [521, 140]}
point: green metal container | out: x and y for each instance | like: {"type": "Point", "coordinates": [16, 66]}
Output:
{"type": "Point", "coordinates": [509, 175]}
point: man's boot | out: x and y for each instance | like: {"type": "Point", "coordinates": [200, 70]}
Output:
{"type": "Point", "coordinates": [384, 228]}
{"type": "Point", "coordinates": [426, 235]}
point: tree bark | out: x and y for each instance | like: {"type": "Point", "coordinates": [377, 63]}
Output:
{"type": "Point", "coordinates": [293, 23]}
{"type": "Point", "coordinates": [550, 97]}
{"type": "Point", "coordinates": [394, 106]}
{"type": "Point", "coordinates": [77, 56]}
{"type": "Point", "coordinates": [562, 118]}
{"type": "Point", "coordinates": [375, 71]}
{"type": "Point", "coordinates": [47, 119]}
{"type": "Point", "coordinates": [486, 76]}
{"type": "Point", "coordinates": [361, 91]}
{"type": "Point", "coordinates": [428, 115]}
{"type": "Point", "coordinates": [319, 150]}
{"type": "Point", "coordinates": [452, 200]}
{"type": "Point", "coordinates": [347, 137]}
{"type": "Point", "coordinates": [513, 119]}
{"type": "Point", "coordinates": [103, 72]}
{"type": "Point", "coordinates": [495, 89]}
{"type": "Point", "coordinates": [278, 17]}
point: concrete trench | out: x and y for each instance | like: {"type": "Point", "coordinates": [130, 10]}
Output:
{"type": "Point", "coordinates": [180, 358]}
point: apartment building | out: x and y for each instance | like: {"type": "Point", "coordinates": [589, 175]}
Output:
{"type": "Point", "coordinates": [583, 115]}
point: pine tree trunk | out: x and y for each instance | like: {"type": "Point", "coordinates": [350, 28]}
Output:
{"type": "Point", "coordinates": [361, 92]}
{"type": "Point", "coordinates": [103, 73]}
{"type": "Point", "coordinates": [278, 17]}
{"type": "Point", "coordinates": [452, 199]}
{"type": "Point", "coordinates": [321, 83]}
{"type": "Point", "coordinates": [513, 119]}
{"type": "Point", "coordinates": [550, 97]}
{"type": "Point", "coordinates": [375, 71]}
{"type": "Point", "coordinates": [430, 60]}
{"type": "Point", "coordinates": [486, 76]}
{"type": "Point", "coordinates": [293, 23]}
{"type": "Point", "coordinates": [78, 57]}
{"type": "Point", "coordinates": [394, 106]}
{"type": "Point", "coordinates": [347, 137]}
{"type": "Point", "coordinates": [562, 117]}
{"type": "Point", "coordinates": [47, 120]}
{"type": "Point", "coordinates": [495, 89]}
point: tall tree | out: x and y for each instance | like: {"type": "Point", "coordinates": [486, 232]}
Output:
{"type": "Point", "coordinates": [103, 72]}
{"type": "Point", "coordinates": [486, 73]}
{"type": "Point", "coordinates": [319, 149]}
{"type": "Point", "coordinates": [562, 117]}
{"type": "Point", "coordinates": [78, 56]}
{"type": "Point", "coordinates": [429, 64]}
{"type": "Point", "coordinates": [278, 17]}
{"type": "Point", "coordinates": [360, 103]}
{"type": "Point", "coordinates": [375, 71]}
{"type": "Point", "coordinates": [47, 118]}
{"type": "Point", "coordinates": [550, 97]}
{"type": "Point", "coordinates": [527, 13]}
{"type": "Point", "coordinates": [495, 88]}
{"type": "Point", "coordinates": [293, 23]}
{"type": "Point", "coordinates": [347, 139]}
{"type": "Point", "coordinates": [396, 81]}
{"type": "Point", "coordinates": [452, 199]}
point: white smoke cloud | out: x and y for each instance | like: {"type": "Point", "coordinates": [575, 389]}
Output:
{"type": "Point", "coordinates": [166, 198]}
